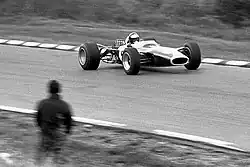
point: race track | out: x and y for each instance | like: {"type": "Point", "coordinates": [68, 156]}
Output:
{"type": "Point", "coordinates": [212, 102]}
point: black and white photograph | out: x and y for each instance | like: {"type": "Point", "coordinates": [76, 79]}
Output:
{"type": "Point", "coordinates": [125, 83]}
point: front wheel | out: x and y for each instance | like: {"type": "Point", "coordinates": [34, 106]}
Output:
{"type": "Point", "coordinates": [131, 61]}
{"type": "Point", "coordinates": [194, 56]}
{"type": "Point", "coordinates": [89, 56]}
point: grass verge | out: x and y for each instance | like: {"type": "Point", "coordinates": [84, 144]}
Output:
{"type": "Point", "coordinates": [74, 32]}
{"type": "Point", "coordinates": [97, 146]}
{"type": "Point", "coordinates": [226, 19]}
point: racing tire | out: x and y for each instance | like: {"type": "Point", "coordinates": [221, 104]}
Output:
{"type": "Point", "coordinates": [194, 56]}
{"type": "Point", "coordinates": [131, 61]}
{"type": "Point", "coordinates": [89, 56]}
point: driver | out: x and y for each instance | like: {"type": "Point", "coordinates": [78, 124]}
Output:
{"type": "Point", "coordinates": [132, 38]}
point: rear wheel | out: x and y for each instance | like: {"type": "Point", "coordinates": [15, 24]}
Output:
{"type": "Point", "coordinates": [89, 56]}
{"type": "Point", "coordinates": [194, 55]}
{"type": "Point", "coordinates": [131, 61]}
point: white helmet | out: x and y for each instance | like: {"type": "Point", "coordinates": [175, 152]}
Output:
{"type": "Point", "coordinates": [132, 37]}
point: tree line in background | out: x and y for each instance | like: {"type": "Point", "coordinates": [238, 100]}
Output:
{"type": "Point", "coordinates": [151, 12]}
{"type": "Point", "coordinates": [236, 12]}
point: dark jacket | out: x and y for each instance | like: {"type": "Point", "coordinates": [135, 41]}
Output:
{"type": "Point", "coordinates": [53, 112]}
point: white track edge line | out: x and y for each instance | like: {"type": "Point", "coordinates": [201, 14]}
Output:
{"type": "Point", "coordinates": [237, 63]}
{"type": "Point", "coordinates": [98, 122]}
{"type": "Point", "coordinates": [159, 132]}
{"type": "Point", "coordinates": [15, 42]}
{"type": "Point", "coordinates": [198, 139]}
{"type": "Point", "coordinates": [31, 44]}
{"type": "Point", "coordinates": [191, 137]}
{"type": "Point", "coordinates": [47, 45]}
{"type": "Point", "coordinates": [3, 41]}
{"type": "Point", "coordinates": [65, 47]}
{"type": "Point", "coordinates": [212, 60]}
{"type": "Point", "coordinates": [77, 119]}
{"type": "Point", "coordinates": [6, 158]}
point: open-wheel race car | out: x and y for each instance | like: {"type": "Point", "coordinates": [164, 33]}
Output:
{"type": "Point", "coordinates": [133, 52]}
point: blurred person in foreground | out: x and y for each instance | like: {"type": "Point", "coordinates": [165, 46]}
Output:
{"type": "Point", "coordinates": [54, 119]}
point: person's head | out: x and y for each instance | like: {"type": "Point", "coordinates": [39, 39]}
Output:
{"type": "Point", "coordinates": [132, 37]}
{"type": "Point", "coordinates": [54, 87]}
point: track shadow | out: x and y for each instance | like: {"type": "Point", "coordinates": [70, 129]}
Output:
{"type": "Point", "coordinates": [164, 70]}
{"type": "Point", "coordinates": [111, 67]}
{"type": "Point", "coordinates": [157, 70]}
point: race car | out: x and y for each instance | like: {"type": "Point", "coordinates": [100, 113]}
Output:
{"type": "Point", "coordinates": [133, 52]}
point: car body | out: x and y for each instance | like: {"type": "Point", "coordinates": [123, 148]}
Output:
{"type": "Point", "coordinates": [146, 52]}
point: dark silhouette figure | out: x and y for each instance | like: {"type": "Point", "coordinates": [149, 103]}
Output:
{"type": "Point", "coordinates": [54, 119]}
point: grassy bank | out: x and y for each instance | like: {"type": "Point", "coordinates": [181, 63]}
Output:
{"type": "Point", "coordinates": [93, 146]}
{"type": "Point", "coordinates": [196, 17]}
{"type": "Point", "coordinates": [75, 32]}
{"type": "Point", "coordinates": [77, 21]}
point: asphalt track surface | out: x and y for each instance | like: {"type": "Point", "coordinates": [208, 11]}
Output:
{"type": "Point", "coordinates": [212, 102]}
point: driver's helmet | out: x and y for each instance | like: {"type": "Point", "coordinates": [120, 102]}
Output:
{"type": "Point", "coordinates": [132, 38]}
